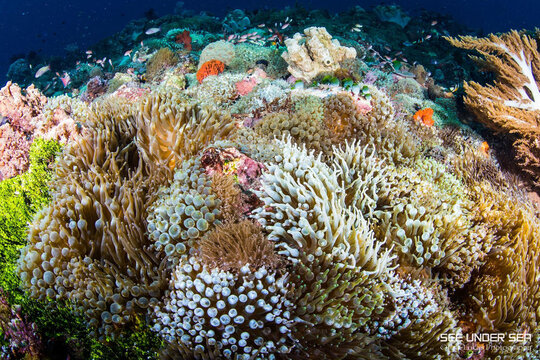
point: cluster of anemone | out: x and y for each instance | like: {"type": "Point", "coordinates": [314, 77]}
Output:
{"type": "Point", "coordinates": [357, 243]}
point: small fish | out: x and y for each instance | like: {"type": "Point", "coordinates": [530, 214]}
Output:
{"type": "Point", "coordinates": [230, 37]}
{"type": "Point", "coordinates": [142, 43]}
{"type": "Point", "coordinates": [261, 25]}
{"type": "Point", "coordinates": [88, 56]}
{"type": "Point", "coordinates": [434, 22]}
{"type": "Point", "coordinates": [357, 28]}
{"type": "Point", "coordinates": [288, 20]}
{"type": "Point", "coordinates": [3, 120]}
{"type": "Point", "coordinates": [427, 37]}
{"type": "Point", "coordinates": [153, 30]}
{"type": "Point", "coordinates": [242, 40]}
{"type": "Point", "coordinates": [42, 70]}
{"type": "Point", "coordinates": [127, 53]}
{"type": "Point", "coordinates": [284, 26]}
{"type": "Point", "coordinates": [243, 36]}
{"type": "Point", "coordinates": [66, 79]}
{"type": "Point", "coordinates": [110, 62]}
{"type": "Point", "coordinates": [88, 52]}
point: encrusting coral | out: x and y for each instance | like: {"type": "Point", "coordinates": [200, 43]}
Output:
{"type": "Point", "coordinates": [512, 104]}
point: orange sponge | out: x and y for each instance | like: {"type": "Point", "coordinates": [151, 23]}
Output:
{"type": "Point", "coordinates": [212, 67]}
{"type": "Point", "coordinates": [425, 116]}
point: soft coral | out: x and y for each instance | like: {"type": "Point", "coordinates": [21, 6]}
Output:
{"type": "Point", "coordinates": [185, 39]}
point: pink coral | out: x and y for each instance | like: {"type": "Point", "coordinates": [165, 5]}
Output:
{"type": "Point", "coordinates": [232, 161]}
{"type": "Point", "coordinates": [21, 107]}
{"type": "Point", "coordinates": [60, 127]}
{"type": "Point", "coordinates": [362, 105]}
{"type": "Point", "coordinates": [130, 92]}
{"type": "Point", "coordinates": [14, 148]}
{"type": "Point", "coordinates": [20, 110]}
{"type": "Point", "coordinates": [23, 120]}
{"type": "Point", "coordinates": [244, 87]}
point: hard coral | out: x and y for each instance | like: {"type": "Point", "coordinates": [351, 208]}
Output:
{"type": "Point", "coordinates": [25, 114]}
{"type": "Point", "coordinates": [212, 67]}
{"type": "Point", "coordinates": [220, 50]}
{"type": "Point", "coordinates": [314, 54]}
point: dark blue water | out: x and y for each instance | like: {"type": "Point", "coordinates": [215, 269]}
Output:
{"type": "Point", "coordinates": [47, 27]}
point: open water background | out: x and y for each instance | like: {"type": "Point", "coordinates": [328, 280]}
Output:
{"type": "Point", "coordinates": [47, 27]}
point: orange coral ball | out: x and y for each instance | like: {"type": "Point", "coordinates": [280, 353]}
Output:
{"type": "Point", "coordinates": [425, 116]}
{"type": "Point", "coordinates": [212, 67]}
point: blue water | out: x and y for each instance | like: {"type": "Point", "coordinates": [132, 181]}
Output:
{"type": "Point", "coordinates": [47, 27]}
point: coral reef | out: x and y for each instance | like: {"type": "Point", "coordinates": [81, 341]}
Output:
{"type": "Point", "coordinates": [512, 103]}
{"type": "Point", "coordinates": [286, 197]}
{"type": "Point", "coordinates": [316, 53]}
